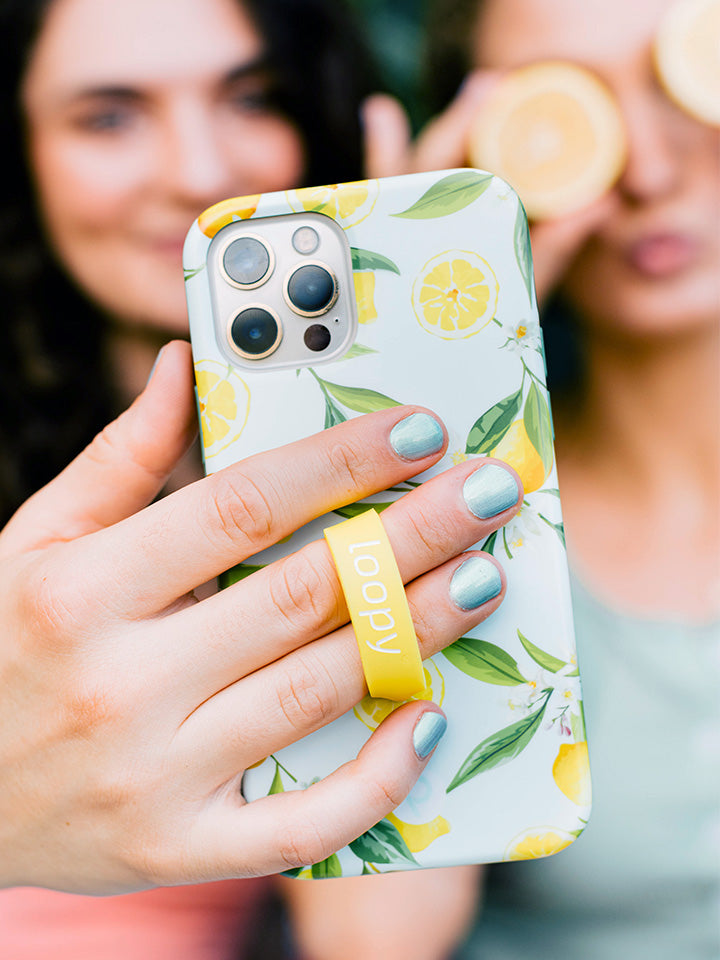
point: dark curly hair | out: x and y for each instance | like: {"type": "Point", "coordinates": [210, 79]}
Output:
{"type": "Point", "coordinates": [55, 390]}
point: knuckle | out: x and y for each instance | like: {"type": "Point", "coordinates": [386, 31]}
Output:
{"type": "Point", "coordinates": [52, 607]}
{"type": "Point", "coordinates": [385, 795]}
{"type": "Point", "coordinates": [354, 470]}
{"type": "Point", "coordinates": [239, 510]}
{"type": "Point", "coordinates": [433, 532]}
{"type": "Point", "coordinates": [306, 591]}
{"type": "Point", "coordinates": [301, 844]}
{"type": "Point", "coordinates": [307, 695]}
{"type": "Point", "coordinates": [425, 624]}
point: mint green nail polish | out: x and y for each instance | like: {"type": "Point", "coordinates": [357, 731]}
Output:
{"type": "Point", "coordinates": [417, 436]}
{"type": "Point", "coordinates": [428, 732]}
{"type": "Point", "coordinates": [475, 582]}
{"type": "Point", "coordinates": [489, 491]}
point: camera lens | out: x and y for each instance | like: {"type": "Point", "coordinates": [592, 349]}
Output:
{"type": "Point", "coordinates": [311, 289]}
{"type": "Point", "coordinates": [255, 332]}
{"type": "Point", "coordinates": [246, 261]}
{"type": "Point", "coordinates": [317, 337]}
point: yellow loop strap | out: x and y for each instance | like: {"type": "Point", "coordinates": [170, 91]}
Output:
{"type": "Point", "coordinates": [378, 606]}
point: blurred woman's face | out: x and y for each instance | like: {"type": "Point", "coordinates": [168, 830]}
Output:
{"type": "Point", "coordinates": [653, 266]}
{"type": "Point", "coordinates": [141, 113]}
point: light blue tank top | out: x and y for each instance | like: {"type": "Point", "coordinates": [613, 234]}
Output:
{"type": "Point", "coordinates": [643, 881]}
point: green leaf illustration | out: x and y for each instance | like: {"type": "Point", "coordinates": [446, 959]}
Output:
{"type": "Point", "coordinates": [538, 424]}
{"type": "Point", "coordinates": [489, 544]}
{"type": "Point", "coordinates": [546, 660]}
{"type": "Point", "coordinates": [327, 868]}
{"type": "Point", "coordinates": [293, 872]}
{"type": "Point", "coordinates": [501, 747]}
{"type": "Point", "coordinates": [193, 271]}
{"type": "Point", "coordinates": [357, 350]}
{"type": "Point", "coordinates": [382, 843]}
{"type": "Point", "coordinates": [484, 661]}
{"type": "Point", "coordinates": [237, 573]}
{"type": "Point", "coordinates": [367, 260]}
{"type": "Point", "coordinates": [355, 509]}
{"type": "Point", "coordinates": [359, 399]}
{"type": "Point", "coordinates": [489, 429]}
{"type": "Point", "coordinates": [523, 250]}
{"type": "Point", "coordinates": [577, 724]}
{"type": "Point", "coordinates": [452, 193]}
{"type": "Point", "coordinates": [277, 785]}
{"type": "Point", "coordinates": [333, 416]}
{"type": "Point", "coordinates": [557, 527]}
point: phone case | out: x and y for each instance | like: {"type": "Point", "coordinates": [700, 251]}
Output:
{"type": "Point", "coordinates": [447, 318]}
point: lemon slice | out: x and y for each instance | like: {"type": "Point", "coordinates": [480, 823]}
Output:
{"type": "Point", "coordinates": [347, 203]}
{"type": "Point", "coordinates": [555, 133]}
{"type": "Point", "coordinates": [455, 295]}
{"type": "Point", "coordinates": [373, 710]}
{"type": "Point", "coordinates": [223, 404]}
{"type": "Point", "coordinates": [687, 57]}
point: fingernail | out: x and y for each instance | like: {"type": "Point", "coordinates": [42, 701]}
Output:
{"type": "Point", "coordinates": [417, 436]}
{"type": "Point", "coordinates": [154, 366]}
{"type": "Point", "coordinates": [428, 732]}
{"type": "Point", "coordinates": [489, 491]}
{"type": "Point", "coordinates": [475, 582]}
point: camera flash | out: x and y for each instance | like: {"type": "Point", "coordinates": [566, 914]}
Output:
{"type": "Point", "coordinates": [305, 240]}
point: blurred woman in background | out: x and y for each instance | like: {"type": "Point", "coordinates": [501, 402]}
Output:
{"type": "Point", "coordinates": [633, 279]}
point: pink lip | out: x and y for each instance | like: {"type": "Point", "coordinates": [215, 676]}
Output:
{"type": "Point", "coordinates": [662, 254]}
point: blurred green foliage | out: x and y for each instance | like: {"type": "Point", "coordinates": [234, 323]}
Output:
{"type": "Point", "coordinates": [394, 29]}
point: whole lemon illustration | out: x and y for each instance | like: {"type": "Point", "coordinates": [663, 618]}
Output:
{"type": "Point", "coordinates": [373, 710]}
{"type": "Point", "coordinates": [223, 402]}
{"type": "Point", "coordinates": [571, 772]}
{"type": "Point", "coordinates": [365, 296]}
{"type": "Point", "coordinates": [418, 836]}
{"type": "Point", "coordinates": [516, 449]}
{"type": "Point", "coordinates": [455, 295]}
{"type": "Point", "coordinates": [538, 842]}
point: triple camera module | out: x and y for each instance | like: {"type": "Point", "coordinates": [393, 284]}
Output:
{"type": "Point", "coordinates": [277, 286]}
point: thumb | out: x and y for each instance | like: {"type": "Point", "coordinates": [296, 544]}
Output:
{"type": "Point", "coordinates": [124, 467]}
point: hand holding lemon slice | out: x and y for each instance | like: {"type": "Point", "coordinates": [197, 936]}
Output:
{"type": "Point", "coordinates": [687, 57]}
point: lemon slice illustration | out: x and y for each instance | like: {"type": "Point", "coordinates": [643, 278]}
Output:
{"type": "Point", "coordinates": [347, 203]}
{"type": "Point", "coordinates": [373, 710]}
{"type": "Point", "coordinates": [223, 402]}
{"type": "Point", "coordinates": [538, 842]}
{"type": "Point", "coordinates": [223, 213]}
{"type": "Point", "coordinates": [455, 295]}
{"type": "Point", "coordinates": [571, 772]}
{"type": "Point", "coordinates": [554, 132]}
{"type": "Point", "coordinates": [516, 449]}
{"type": "Point", "coordinates": [687, 57]}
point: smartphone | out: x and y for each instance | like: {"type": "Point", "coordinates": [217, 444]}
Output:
{"type": "Point", "coordinates": [311, 306]}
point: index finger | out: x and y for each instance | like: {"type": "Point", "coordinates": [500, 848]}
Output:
{"type": "Point", "coordinates": [171, 547]}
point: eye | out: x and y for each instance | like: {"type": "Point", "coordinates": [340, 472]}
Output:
{"type": "Point", "coordinates": [107, 115]}
{"type": "Point", "coordinates": [251, 95]}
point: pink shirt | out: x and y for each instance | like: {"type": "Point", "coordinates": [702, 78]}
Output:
{"type": "Point", "coordinates": [210, 921]}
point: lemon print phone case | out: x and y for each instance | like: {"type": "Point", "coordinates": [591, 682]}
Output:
{"type": "Point", "coordinates": [442, 313]}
